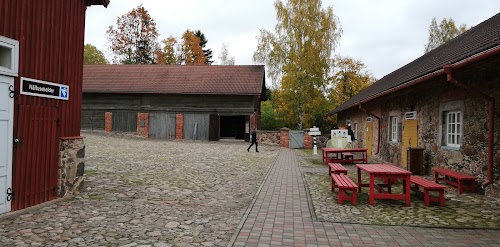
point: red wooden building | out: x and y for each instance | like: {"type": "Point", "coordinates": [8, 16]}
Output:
{"type": "Point", "coordinates": [41, 66]}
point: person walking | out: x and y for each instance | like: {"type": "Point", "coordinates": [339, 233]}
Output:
{"type": "Point", "coordinates": [254, 141]}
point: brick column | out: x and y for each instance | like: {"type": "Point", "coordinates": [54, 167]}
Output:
{"type": "Point", "coordinates": [284, 137]}
{"type": "Point", "coordinates": [143, 124]}
{"type": "Point", "coordinates": [179, 126]}
{"type": "Point", "coordinates": [108, 122]}
{"type": "Point", "coordinates": [308, 140]}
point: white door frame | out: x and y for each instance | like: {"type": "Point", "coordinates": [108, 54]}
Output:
{"type": "Point", "coordinates": [9, 69]}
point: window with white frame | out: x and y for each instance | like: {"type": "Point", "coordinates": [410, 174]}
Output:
{"type": "Point", "coordinates": [453, 128]}
{"type": "Point", "coordinates": [9, 56]}
{"type": "Point", "coordinates": [393, 129]}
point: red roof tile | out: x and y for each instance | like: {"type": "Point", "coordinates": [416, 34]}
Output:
{"type": "Point", "coordinates": [174, 79]}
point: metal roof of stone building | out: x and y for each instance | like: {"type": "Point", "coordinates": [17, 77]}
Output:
{"type": "Point", "coordinates": [478, 39]}
{"type": "Point", "coordinates": [174, 79]}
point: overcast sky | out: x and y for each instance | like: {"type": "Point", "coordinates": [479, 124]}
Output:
{"type": "Point", "coordinates": [383, 34]}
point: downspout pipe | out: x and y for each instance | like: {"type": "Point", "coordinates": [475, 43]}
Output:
{"type": "Point", "coordinates": [378, 119]}
{"type": "Point", "coordinates": [491, 117]}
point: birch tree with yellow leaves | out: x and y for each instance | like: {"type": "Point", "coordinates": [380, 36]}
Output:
{"type": "Point", "coordinates": [298, 59]}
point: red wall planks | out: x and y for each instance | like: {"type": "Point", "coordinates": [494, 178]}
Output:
{"type": "Point", "coordinates": [51, 36]}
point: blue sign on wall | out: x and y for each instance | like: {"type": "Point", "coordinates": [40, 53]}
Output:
{"type": "Point", "coordinates": [44, 89]}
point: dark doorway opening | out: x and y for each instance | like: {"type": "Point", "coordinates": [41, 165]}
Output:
{"type": "Point", "coordinates": [232, 127]}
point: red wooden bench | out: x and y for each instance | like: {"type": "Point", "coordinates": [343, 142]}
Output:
{"type": "Point", "coordinates": [336, 168]}
{"type": "Point", "coordinates": [428, 186]}
{"type": "Point", "coordinates": [343, 182]}
{"type": "Point", "coordinates": [464, 181]}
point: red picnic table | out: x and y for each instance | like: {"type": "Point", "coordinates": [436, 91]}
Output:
{"type": "Point", "coordinates": [389, 173]}
{"type": "Point", "coordinates": [326, 151]}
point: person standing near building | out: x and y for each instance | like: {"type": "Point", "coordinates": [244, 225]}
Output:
{"type": "Point", "coordinates": [254, 141]}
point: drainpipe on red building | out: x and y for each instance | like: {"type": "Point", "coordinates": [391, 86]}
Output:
{"type": "Point", "coordinates": [491, 118]}
{"type": "Point", "coordinates": [378, 119]}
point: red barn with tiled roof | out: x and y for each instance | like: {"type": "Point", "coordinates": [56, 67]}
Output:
{"type": "Point", "coordinates": [227, 96]}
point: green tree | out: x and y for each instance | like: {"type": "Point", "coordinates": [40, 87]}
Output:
{"type": "Point", "coordinates": [92, 55]}
{"type": "Point", "coordinates": [269, 118]}
{"type": "Point", "coordinates": [134, 41]}
{"type": "Point", "coordinates": [443, 33]}
{"type": "Point", "coordinates": [203, 43]}
{"type": "Point", "coordinates": [298, 55]}
{"type": "Point", "coordinates": [224, 58]}
{"type": "Point", "coordinates": [348, 80]}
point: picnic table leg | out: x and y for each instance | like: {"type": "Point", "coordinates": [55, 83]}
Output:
{"type": "Point", "coordinates": [372, 189]}
{"type": "Point", "coordinates": [407, 190]}
{"type": "Point", "coordinates": [359, 180]}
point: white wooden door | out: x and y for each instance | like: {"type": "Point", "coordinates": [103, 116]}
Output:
{"type": "Point", "coordinates": [6, 140]}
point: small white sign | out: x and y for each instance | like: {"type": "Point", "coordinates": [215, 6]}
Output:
{"type": "Point", "coordinates": [313, 129]}
{"type": "Point", "coordinates": [338, 133]}
{"type": "Point", "coordinates": [44, 89]}
{"type": "Point", "coordinates": [315, 133]}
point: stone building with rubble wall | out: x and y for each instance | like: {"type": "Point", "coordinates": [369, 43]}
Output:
{"type": "Point", "coordinates": [444, 104]}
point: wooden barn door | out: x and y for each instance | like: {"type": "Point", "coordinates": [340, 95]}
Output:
{"type": "Point", "coordinates": [36, 156]}
{"type": "Point", "coordinates": [214, 128]}
{"type": "Point", "coordinates": [6, 140]}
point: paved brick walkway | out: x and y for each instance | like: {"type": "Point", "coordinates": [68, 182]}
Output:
{"type": "Point", "coordinates": [280, 216]}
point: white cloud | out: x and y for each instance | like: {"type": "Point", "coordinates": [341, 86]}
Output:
{"type": "Point", "coordinates": [384, 34]}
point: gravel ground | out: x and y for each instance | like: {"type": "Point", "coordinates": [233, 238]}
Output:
{"type": "Point", "coordinates": [468, 210]}
{"type": "Point", "coordinates": [149, 193]}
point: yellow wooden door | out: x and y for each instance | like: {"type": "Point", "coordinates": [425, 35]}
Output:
{"type": "Point", "coordinates": [410, 139]}
{"type": "Point", "coordinates": [369, 138]}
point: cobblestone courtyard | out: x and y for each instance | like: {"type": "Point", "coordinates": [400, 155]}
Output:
{"type": "Point", "coordinates": [146, 192]}
{"type": "Point", "coordinates": [142, 192]}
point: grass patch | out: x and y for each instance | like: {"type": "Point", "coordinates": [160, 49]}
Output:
{"type": "Point", "coordinates": [318, 162]}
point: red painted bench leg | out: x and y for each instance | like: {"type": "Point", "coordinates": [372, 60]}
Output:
{"type": "Point", "coordinates": [441, 198]}
{"type": "Point", "coordinates": [354, 197]}
{"type": "Point", "coordinates": [341, 196]}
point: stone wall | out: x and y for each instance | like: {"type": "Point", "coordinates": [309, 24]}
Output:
{"type": "Point", "coordinates": [429, 102]}
{"type": "Point", "coordinates": [268, 137]}
{"type": "Point", "coordinates": [71, 166]}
